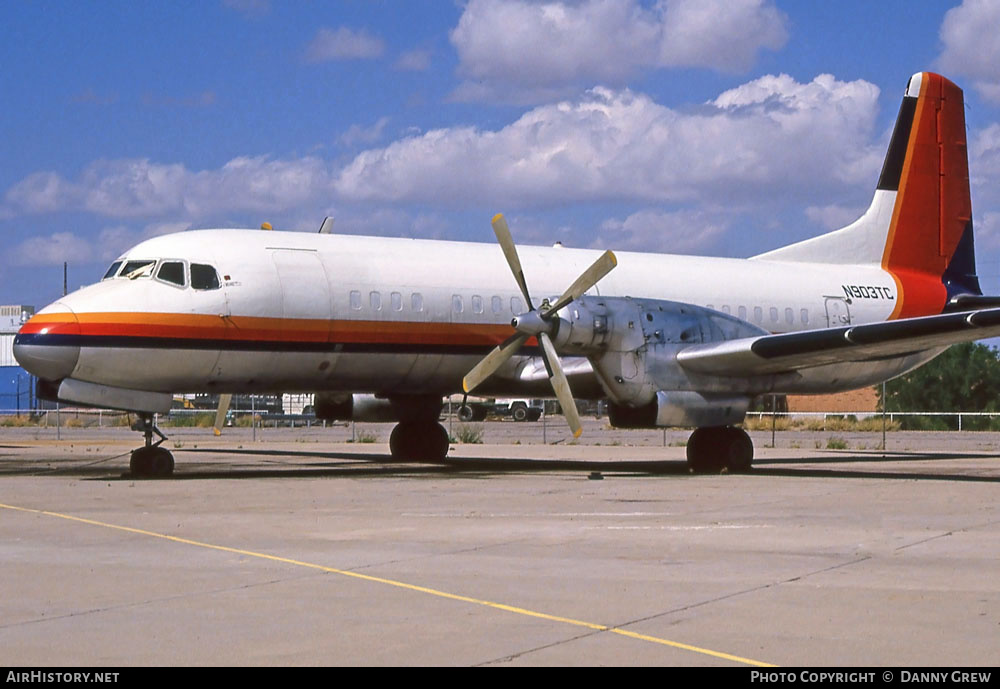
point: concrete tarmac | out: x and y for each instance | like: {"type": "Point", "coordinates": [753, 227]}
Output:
{"type": "Point", "coordinates": [302, 549]}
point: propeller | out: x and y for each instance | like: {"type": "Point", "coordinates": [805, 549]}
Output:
{"type": "Point", "coordinates": [538, 323]}
{"type": "Point", "coordinates": [220, 415]}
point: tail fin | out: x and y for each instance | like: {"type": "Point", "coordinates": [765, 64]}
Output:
{"type": "Point", "coordinates": [919, 224]}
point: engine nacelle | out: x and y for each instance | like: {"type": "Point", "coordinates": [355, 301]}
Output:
{"type": "Point", "coordinates": [632, 345]}
{"type": "Point", "coordinates": [331, 406]}
{"type": "Point", "coordinates": [675, 408]}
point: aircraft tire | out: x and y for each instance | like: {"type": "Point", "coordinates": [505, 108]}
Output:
{"type": "Point", "coordinates": [418, 442]}
{"type": "Point", "coordinates": [712, 449]}
{"type": "Point", "coordinates": [151, 462]}
{"type": "Point", "coordinates": [466, 413]}
{"type": "Point", "coordinates": [704, 451]}
{"type": "Point", "coordinates": [738, 450]}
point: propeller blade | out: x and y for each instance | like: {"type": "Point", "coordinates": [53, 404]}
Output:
{"type": "Point", "coordinates": [220, 415]}
{"type": "Point", "coordinates": [502, 232]}
{"type": "Point", "coordinates": [598, 269]}
{"type": "Point", "coordinates": [494, 360]}
{"type": "Point", "coordinates": [560, 385]}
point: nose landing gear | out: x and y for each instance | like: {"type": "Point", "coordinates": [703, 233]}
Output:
{"type": "Point", "coordinates": [151, 460]}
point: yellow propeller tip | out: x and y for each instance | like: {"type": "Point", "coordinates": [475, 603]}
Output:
{"type": "Point", "coordinates": [577, 433]}
{"type": "Point", "coordinates": [497, 217]}
{"type": "Point", "coordinates": [465, 386]}
{"type": "Point", "coordinates": [217, 431]}
{"type": "Point", "coordinates": [614, 259]}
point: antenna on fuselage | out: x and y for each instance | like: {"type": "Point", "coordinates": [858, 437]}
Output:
{"type": "Point", "coordinates": [327, 226]}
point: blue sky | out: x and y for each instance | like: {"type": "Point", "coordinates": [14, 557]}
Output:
{"type": "Point", "coordinates": [722, 127]}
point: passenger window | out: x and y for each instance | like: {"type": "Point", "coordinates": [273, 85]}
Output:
{"type": "Point", "coordinates": [726, 309]}
{"type": "Point", "coordinates": [355, 300]}
{"type": "Point", "coordinates": [477, 303]}
{"type": "Point", "coordinates": [709, 306]}
{"type": "Point", "coordinates": [515, 306]}
{"type": "Point", "coordinates": [113, 270]}
{"type": "Point", "coordinates": [375, 299]}
{"type": "Point", "coordinates": [789, 317]}
{"type": "Point", "coordinates": [758, 314]}
{"type": "Point", "coordinates": [138, 269]}
{"type": "Point", "coordinates": [172, 272]}
{"type": "Point", "coordinates": [456, 303]}
{"type": "Point", "coordinates": [417, 302]}
{"type": "Point", "coordinates": [396, 301]}
{"type": "Point", "coordinates": [497, 304]}
{"type": "Point", "coordinates": [204, 277]}
{"type": "Point", "coordinates": [743, 313]}
{"type": "Point", "coordinates": [804, 315]}
{"type": "Point", "coordinates": [774, 314]}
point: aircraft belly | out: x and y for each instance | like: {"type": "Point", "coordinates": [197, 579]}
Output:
{"type": "Point", "coordinates": [166, 370]}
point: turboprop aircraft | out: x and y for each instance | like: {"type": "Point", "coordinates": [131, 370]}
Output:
{"type": "Point", "coordinates": [383, 328]}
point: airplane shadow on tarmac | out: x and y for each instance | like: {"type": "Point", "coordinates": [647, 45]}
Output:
{"type": "Point", "coordinates": [315, 464]}
{"type": "Point", "coordinates": [254, 463]}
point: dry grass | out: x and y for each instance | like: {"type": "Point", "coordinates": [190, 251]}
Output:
{"type": "Point", "coordinates": [870, 424]}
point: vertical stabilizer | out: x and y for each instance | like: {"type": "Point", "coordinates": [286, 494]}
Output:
{"type": "Point", "coordinates": [919, 224]}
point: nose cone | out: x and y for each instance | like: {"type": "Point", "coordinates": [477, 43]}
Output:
{"type": "Point", "coordinates": [48, 345]}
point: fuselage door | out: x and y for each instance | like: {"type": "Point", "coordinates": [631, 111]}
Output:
{"type": "Point", "coordinates": [838, 312]}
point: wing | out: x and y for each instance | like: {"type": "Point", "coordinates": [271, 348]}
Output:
{"type": "Point", "coordinates": [768, 354]}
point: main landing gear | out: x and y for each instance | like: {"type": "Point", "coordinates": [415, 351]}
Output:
{"type": "Point", "coordinates": [151, 460]}
{"type": "Point", "coordinates": [418, 437]}
{"type": "Point", "coordinates": [713, 448]}
{"type": "Point", "coordinates": [413, 441]}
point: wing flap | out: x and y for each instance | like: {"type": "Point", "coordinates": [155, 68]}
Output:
{"type": "Point", "coordinates": [769, 354]}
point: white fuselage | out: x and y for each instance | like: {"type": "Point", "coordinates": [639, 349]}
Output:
{"type": "Point", "coordinates": [311, 312]}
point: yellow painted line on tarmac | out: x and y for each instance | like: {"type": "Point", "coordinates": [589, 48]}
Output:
{"type": "Point", "coordinates": [398, 584]}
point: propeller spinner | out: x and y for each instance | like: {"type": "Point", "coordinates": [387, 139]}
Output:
{"type": "Point", "coordinates": [538, 323]}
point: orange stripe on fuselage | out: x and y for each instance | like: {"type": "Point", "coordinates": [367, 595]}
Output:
{"type": "Point", "coordinates": [254, 328]}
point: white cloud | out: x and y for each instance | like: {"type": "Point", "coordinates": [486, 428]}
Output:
{"type": "Point", "coordinates": [772, 137]}
{"type": "Point", "coordinates": [52, 250]}
{"type": "Point", "coordinates": [343, 43]}
{"type": "Point", "coordinates": [41, 192]}
{"type": "Point", "coordinates": [677, 232]}
{"type": "Point", "coordinates": [140, 188]}
{"type": "Point", "coordinates": [769, 136]}
{"type": "Point", "coordinates": [534, 51]}
{"type": "Point", "coordinates": [414, 61]}
{"type": "Point", "coordinates": [987, 229]}
{"type": "Point", "coordinates": [970, 34]}
{"type": "Point", "coordinates": [356, 134]}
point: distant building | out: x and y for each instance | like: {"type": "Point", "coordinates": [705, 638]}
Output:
{"type": "Point", "coordinates": [864, 400]}
{"type": "Point", "coordinates": [17, 386]}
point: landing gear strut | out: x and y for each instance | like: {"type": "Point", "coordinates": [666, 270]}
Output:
{"type": "Point", "coordinates": [151, 459]}
{"type": "Point", "coordinates": [714, 448]}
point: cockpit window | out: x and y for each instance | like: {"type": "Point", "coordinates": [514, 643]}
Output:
{"type": "Point", "coordinates": [138, 269]}
{"type": "Point", "coordinates": [112, 271]}
{"type": "Point", "coordinates": [172, 272]}
{"type": "Point", "coordinates": [204, 277]}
